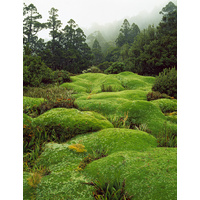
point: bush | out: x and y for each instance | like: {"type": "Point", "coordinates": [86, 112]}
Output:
{"type": "Point", "coordinates": [52, 99]}
{"type": "Point", "coordinates": [61, 76]}
{"type": "Point", "coordinates": [35, 71]}
{"type": "Point", "coordinates": [92, 69]}
{"type": "Point", "coordinates": [156, 95]}
{"type": "Point", "coordinates": [105, 65]}
{"type": "Point", "coordinates": [43, 92]}
{"type": "Point", "coordinates": [166, 82]}
{"type": "Point", "coordinates": [115, 68]}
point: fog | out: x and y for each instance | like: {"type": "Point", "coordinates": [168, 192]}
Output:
{"type": "Point", "coordinates": [101, 15]}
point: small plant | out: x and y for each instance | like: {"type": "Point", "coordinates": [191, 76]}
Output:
{"type": "Point", "coordinates": [167, 137]}
{"type": "Point", "coordinates": [34, 180]}
{"type": "Point", "coordinates": [105, 189]}
{"type": "Point", "coordinates": [106, 88]}
{"type": "Point", "coordinates": [77, 148]}
{"type": "Point", "coordinates": [143, 127]}
{"type": "Point", "coordinates": [120, 122]}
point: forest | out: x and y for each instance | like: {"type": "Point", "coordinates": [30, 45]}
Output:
{"type": "Point", "coordinates": [99, 116]}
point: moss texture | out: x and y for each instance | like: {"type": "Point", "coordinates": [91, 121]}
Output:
{"type": "Point", "coordinates": [72, 121]}
{"type": "Point", "coordinates": [148, 170]}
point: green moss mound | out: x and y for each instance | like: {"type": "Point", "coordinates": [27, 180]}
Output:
{"type": "Point", "coordinates": [149, 175]}
{"type": "Point", "coordinates": [71, 121]}
{"type": "Point", "coordinates": [27, 120]}
{"type": "Point", "coordinates": [64, 182]}
{"type": "Point", "coordinates": [117, 139]}
{"type": "Point", "coordinates": [126, 94]}
{"type": "Point", "coordinates": [131, 153]}
{"type": "Point", "coordinates": [134, 81]}
{"type": "Point", "coordinates": [140, 112]}
{"type": "Point", "coordinates": [29, 102]}
{"type": "Point", "coordinates": [166, 105]}
{"type": "Point", "coordinates": [92, 82]}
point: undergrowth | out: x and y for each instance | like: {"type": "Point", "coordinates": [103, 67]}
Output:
{"type": "Point", "coordinates": [106, 189]}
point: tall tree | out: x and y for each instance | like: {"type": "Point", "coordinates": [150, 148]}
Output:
{"type": "Point", "coordinates": [124, 34]}
{"type": "Point", "coordinates": [168, 24]}
{"type": "Point", "coordinates": [77, 54]}
{"type": "Point", "coordinates": [127, 33]}
{"type": "Point", "coordinates": [31, 25]}
{"type": "Point", "coordinates": [96, 50]}
{"type": "Point", "coordinates": [53, 23]}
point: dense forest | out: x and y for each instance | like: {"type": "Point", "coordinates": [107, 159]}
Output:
{"type": "Point", "coordinates": [146, 52]}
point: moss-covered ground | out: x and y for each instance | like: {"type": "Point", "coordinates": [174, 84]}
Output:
{"type": "Point", "coordinates": [131, 154]}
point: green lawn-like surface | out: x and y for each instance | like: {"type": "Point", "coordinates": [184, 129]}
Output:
{"type": "Point", "coordinates": [150, 171]}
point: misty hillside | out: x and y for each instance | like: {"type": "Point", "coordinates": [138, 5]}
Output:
{"type": "Point", "coordinates": [110, 31]}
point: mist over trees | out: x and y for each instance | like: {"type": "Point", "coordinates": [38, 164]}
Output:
{"type": "Point", "coordinates": [146, 51]}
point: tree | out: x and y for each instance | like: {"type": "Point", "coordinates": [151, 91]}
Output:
{"type": "Point", "coordinates": [53, 23]}
{"type": "Point", "coordinates": [124, 34]}
{"type": "Point", "coordinates": [156, 49]}
{"type": "Point", "coordinates": [98, 55]}
{"type": "Point", "coordinates": [127, 33]}
{"type": "Point", "coordinates": [168, 24]}
{"type": "Point", "coordinates": [77, 55]}
{"type": "Point", "coordinates": [31, 25]}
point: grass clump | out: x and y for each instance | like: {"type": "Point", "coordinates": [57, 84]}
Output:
{"type": "Point", "coordinates": [167, 137]}
{"type": "Point", "coordinates": [106, 189]}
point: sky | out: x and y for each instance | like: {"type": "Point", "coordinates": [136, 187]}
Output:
{"type": "Point", "coordinates": [87, 12]}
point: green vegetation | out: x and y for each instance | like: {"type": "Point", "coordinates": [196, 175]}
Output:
{"type": "Point", "coordinates": [132, 154]}
{"type": "Point", "coordinates": [99, 119]}
{"type": "Point", "coordinates": [166, 82]}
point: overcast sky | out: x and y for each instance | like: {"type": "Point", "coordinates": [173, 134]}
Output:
{"type": "Point", "coordinates": [86, 12]}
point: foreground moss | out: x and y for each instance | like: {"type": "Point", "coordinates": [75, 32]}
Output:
{"type": "Point", "coordinates": [149, 175]}
{"type": "Point", "coordinates": [130, 152]}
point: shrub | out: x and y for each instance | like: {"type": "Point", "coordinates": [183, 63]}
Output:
{"type": "Point", "coordinates": [52, 102]}
{"type": "Point", "coordinates": [56, 97]}
{"type": "Point", "coordinates": [35, 71]}
{"type": "Point", "coordinates": [92, 69]}
{"type": "Point", "coordinates": [43, 92]}
{"type": "Point", "coordinates": [105, 65]}
{"type": "Point", "coordinates": [61, 76]}
{"type": "Point", "coordinates": [115, 68]}
{"type": "Point", "coordinates": [156, 95]}
{"type": "Point", "coordinates": [166, 82]}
